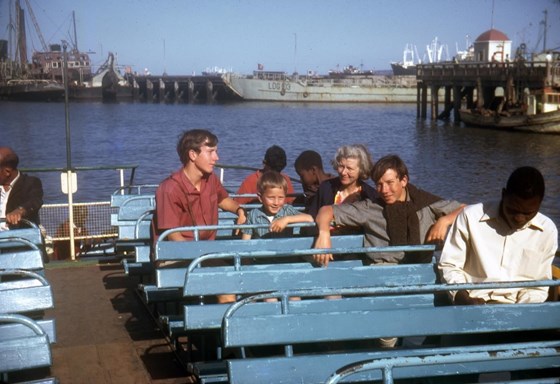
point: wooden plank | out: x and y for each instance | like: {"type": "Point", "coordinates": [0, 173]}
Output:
{"type": "Point", "coordinates": [24, 353]}
{"type": "Point", "coordinates": [173, 250]}
{"type": "Point", "coordinates": [315, 369]}
{"type": "Point", "coordinates": [340, 326]}
{"type": "Point", "coordinates": [31, 234]}
{"type": "Point", "coordinates": [26, 299]}
{"type": "Point", "coordinates": [27, 259]}
{"type": "Point", "coordinates": [13, 330]}
{"type": "Point", "coordinates": [209, 316]}
{"type": "Point", "coordinates": [277, 279]}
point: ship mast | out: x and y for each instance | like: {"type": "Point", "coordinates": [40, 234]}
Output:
{"type": "Point", "coordinates": [36, 25]}
{"type": "Point", "coordinates": [21, 46]}
{"type": "Point", "coordinates": [75, 34]}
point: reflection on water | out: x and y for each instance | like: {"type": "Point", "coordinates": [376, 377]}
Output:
{"type": "Point", "coordinates": [467, 164]}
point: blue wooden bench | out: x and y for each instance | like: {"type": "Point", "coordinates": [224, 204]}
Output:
{"type": "Point", "coordinates": [141, 265]}
{"type": "Point", "coordinates": [328, 324]}
{"type": "Point", "coordinates": [169, 279]}
{"type": "Point", "coordinates": [28, 239]}
{"type": "Point", "coordinates": [133, 214]}
{"type": "Point", "coordinates": [244, 280]}
{"type": "Point", "coordinates": [132, 219]}
{"type": "Point", "coordinates": [25, 336]}
{"type": "Point", "coordinates": [24, 344]}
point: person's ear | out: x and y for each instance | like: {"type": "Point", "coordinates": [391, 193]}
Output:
{"type": "Point", "coordinates": [404, 181]}
{"type": "Point", "coordinates": [192, 154]}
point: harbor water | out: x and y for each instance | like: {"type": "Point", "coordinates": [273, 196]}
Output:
{"type": "Point", "coordinates": [453, 161]}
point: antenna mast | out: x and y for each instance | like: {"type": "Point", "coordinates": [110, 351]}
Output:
{"type": "Point", "coordinates": [492, 19]}
{"type": "Point", "coordinates": [545, 22]}
{"type": "Point", "coordinates": [295, 52]}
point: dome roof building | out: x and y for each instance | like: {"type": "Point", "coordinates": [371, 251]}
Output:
{"type": "Point", "coordinates": [492, 45]}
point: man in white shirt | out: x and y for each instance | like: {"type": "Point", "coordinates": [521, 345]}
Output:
{"type": "Point", "coordinates": [507, 240]}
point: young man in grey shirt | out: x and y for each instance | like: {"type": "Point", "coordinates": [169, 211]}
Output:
{"type": "Point", "coordinates": [402, 215]}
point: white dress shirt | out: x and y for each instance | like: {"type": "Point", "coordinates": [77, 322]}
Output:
{"type": "Point", "coordinates": [481, 247]}
{"type": "Point", "coordinates": [4, 195]}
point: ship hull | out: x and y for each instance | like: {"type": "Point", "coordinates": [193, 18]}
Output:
{"type": "Point", "coordinates": [32, 90]}
{"type": "Point", "coordinates": [548, 122]}
{"type": "Point", "coordinates": [401, 70]}
{"type": "Point", "coordinates": [371, 89]}
{"type": "Point", "coordinates": [119, 93]}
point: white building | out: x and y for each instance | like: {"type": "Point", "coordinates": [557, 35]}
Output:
{"type": "Point", "coordinates": [492, 45]}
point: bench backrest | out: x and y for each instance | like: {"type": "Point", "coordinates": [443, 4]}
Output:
{"type": "Point", "coordinates": [198, 282]}
{"type": "Point", "coordinates": [33, 235]}
{"type": "Point", "coordinates": [283, 277]}
{"type": "Point", "coordinates": [337, 325]}
{"type": "Point", "coordinates": [20, 254]}
{"type": "Point", "coordinates": [246, 280]}
{"type": "Point", "coordinates": [22, 248]}
{"type": "Point", "coordinates": [134, 216]}
{"type": "Point", "coordinates": [188, 251]}
{"type": "Point", "coordinates": [130, 207]}
{"type": "Point", "coordinates": [332, 322]}
{"type": "Point", "coordinates": [24, 291]}
{"type": "Point", "coordinates": [23, 344]}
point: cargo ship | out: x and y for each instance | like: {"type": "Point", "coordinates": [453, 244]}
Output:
{"type": "Point", "coordinates": [348, 86]}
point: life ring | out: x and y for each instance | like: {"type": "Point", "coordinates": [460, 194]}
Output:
{"type": "Point", "coordinates": [305, 94]}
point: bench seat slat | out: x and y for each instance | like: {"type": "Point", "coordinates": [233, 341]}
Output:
{"type": "Point", "coordinates": [174, 250]}
{"type": "Point", "coordinates": [11, 331]}
{"type": "Point", "coordinates": [26, 299]}
{"type": "Point", "coordinates": [33, 235]}
{"type": "Point", "coordinates": [210, 316]}
{"type": "Point", "coordinates": [315, 369]}
{"type": "Point", "coordinates": [277, 279]}
{"type": "Point", "coordinates": [25, 353]}
{"type": "Point", "coordinates": [30, 260]}
{"type": "Point", "coordinates": [248, 331]}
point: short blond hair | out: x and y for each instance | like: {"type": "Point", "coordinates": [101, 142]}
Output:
{"type": "Point", "coordinates": [271, 179]}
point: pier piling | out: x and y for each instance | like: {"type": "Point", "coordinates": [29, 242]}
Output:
{"type": "Point", "coordinates": [478, 84]}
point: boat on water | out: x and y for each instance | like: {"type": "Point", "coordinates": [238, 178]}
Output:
{"type": "Point", "coordinates": [343, 87]}
{"type": "Point", "coordinates": [436, 52]}
{"type": "Point", "coordinates": [32, 90]}
{"type": "Point", "coordinates": [541, 113]}
{"type": "Point", "coordinates": [42, 77]}
{"type": "Point", "coordinates": [524, 103]}
{"type": "Point", "coordinates": [407, 67]}
{"type": "Point", "coordinates": [107, 84]}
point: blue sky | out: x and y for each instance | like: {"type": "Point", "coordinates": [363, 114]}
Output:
{"type": "Point", "coordinates": [186, 36]}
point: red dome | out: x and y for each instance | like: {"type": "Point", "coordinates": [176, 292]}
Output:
{"type": "Point", "coordinates": [492, 35]}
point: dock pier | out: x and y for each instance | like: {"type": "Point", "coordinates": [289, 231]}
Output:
{"type": "Point", "coordinates": [479, 84]}
{"type": "Point", "coordinates": [182, 89]}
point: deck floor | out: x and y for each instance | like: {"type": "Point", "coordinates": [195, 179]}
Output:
{"type": "Point", "coordinates": [105, 334]}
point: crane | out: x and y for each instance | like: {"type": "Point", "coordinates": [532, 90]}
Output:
{"type": "Point", "coordinates": [36, 25]}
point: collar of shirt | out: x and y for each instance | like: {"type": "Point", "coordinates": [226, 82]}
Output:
{"type": "Point", "coordinates": [492, 212]}
{"type": "Point", "coordinates": [12, 183]}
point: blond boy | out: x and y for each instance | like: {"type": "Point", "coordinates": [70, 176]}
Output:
{"type": "Point", "coordinates": [271, 191]}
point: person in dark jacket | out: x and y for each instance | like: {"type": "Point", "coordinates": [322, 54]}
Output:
{"type": "Point", "coordinates": [21, 195]}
